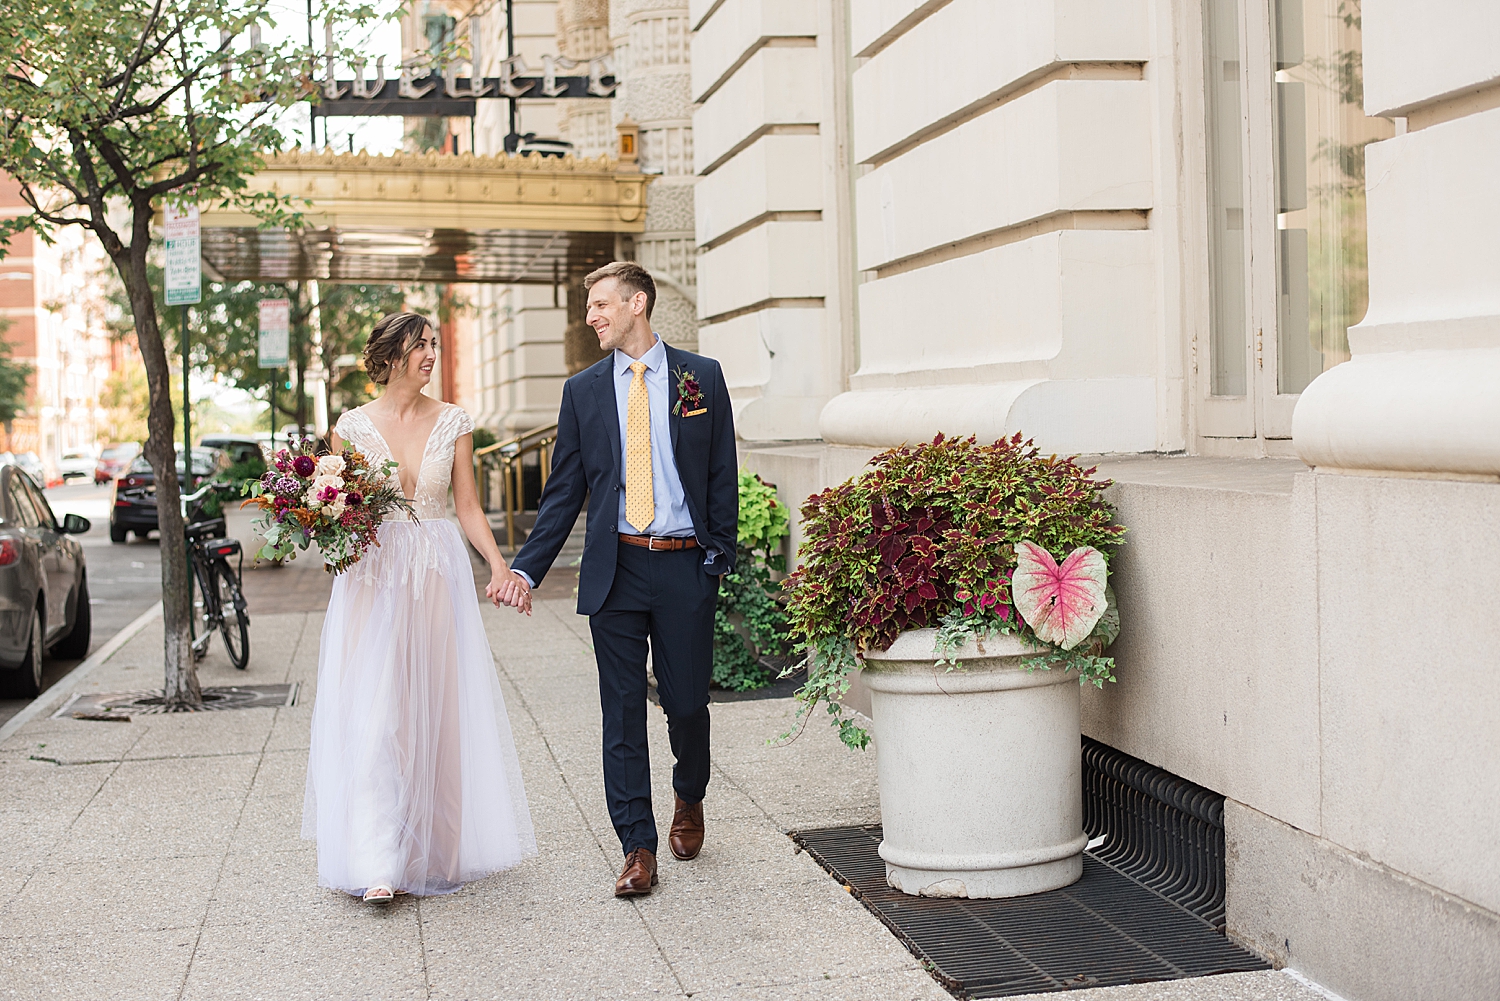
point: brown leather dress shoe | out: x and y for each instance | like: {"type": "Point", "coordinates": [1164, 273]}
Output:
{"type": "Point", "coordinates": [686, 838]}
{"type": "Point", "coordinates": [639, 875]}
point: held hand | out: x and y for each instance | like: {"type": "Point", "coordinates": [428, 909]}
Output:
{"type": "Point", "coordinates": [507, 587]}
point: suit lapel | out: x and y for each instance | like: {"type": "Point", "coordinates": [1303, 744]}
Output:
{"type": "Point", "coordinates": [674, 416]}
{"type": "Point", "coordinates": [609, 414]}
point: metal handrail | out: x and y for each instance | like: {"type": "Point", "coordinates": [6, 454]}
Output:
{"type": "Point", "coordinates": [508, 455]}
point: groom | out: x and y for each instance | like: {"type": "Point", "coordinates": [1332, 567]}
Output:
{"type": "Point", "coordinates": [648, 437]}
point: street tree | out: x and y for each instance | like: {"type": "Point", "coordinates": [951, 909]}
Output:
{"type": "Point", "coordinates": [108, 108]}
{"type": "Point", "coordinates": [228, 338]}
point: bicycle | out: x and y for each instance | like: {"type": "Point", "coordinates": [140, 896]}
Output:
{"type": "Point", "coordinates": [223, 605]}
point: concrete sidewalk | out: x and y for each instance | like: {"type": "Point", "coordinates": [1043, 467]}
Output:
{"type": "Point", "coordinates": [160, 859]}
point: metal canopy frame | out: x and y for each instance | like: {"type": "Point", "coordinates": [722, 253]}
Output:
{"type": "Point", "coordinates": [433, 218]}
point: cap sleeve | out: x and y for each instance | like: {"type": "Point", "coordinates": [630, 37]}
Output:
{"type": "Point", "coordinates": [464, 422]}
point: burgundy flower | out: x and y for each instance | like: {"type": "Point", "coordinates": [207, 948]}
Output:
{"type": "Point", "coordinates": [328, 495]}
{"type": "Point", "coordinates": [283, 460]}
{"type": "Point", "coordinates": [304, 465]}
{"type": "Point", "coordinates": [354, 498]}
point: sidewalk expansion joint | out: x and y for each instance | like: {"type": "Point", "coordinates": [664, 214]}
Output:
{"type": "Point", "coordinates": [120, 761]}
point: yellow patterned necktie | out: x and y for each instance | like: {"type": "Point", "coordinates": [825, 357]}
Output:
{"type": "Point", "coordinates": [640, 504]}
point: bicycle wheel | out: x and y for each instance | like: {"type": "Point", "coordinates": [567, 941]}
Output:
{"type": "Point", "coordinates": [234, 622]}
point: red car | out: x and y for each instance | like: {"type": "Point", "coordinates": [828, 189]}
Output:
{"type": "Point", "coordinates": [114, 460]}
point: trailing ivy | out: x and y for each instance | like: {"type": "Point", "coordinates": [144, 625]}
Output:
{"type": "Point", "coordinates": [926, 537]}
{"type": "Point", "coordinates": [750, 594]}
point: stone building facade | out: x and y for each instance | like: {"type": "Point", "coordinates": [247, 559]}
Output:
{"type": "Point", "coordinates": [1244, 252]}
{"type": "Point", "coordinates": [521, 342]}
{"type": "Point", "coordinates": [54, 316]}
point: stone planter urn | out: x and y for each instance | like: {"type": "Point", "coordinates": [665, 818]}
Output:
{"type": "Point", "coordinates": [240, 524]}
{"type": "Point", "coordinates": [981, 787]}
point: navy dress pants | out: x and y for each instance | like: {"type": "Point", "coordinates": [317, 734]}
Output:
{"type": "Point", "coordinates": [665, 597]}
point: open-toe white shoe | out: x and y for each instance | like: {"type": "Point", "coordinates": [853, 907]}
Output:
{"type": "Point", "coordinates": [380, 893]}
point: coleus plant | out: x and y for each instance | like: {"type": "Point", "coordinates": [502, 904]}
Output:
{"type": "Point", "coordinates": [971, 539]}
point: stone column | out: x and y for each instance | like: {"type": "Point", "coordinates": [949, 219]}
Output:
{"type": "Point", "coordinates": [651, 43]}
{"type": "Point", "coordinates": [1421, 395]}
{"type": "Point", "coordinates": [583, 34]}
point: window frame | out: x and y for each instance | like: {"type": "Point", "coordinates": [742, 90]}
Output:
{"type": "Point", "coordinates": [1262, 413]}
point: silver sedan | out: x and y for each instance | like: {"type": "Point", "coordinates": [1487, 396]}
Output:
{"type": "Point", "coordinates": [44, 589]}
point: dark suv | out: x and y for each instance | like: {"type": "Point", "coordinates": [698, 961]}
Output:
{"type": "Point", "coordinates": [134, 507]}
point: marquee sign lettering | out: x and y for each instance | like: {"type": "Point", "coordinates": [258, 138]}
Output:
{"type": "Point", "coordinates": [441, 92]}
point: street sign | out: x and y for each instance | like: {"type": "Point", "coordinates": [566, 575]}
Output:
{"type": "Point", "coordinates": [275, 331]}
{"type": "Point", "coordinates": [184, 256]}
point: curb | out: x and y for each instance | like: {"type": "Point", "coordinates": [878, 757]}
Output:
{"type": "Point", "coordinates": [79, 674]}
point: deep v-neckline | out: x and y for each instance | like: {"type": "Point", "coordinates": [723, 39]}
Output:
{"type": "Point", "coordinates": [421, 459]}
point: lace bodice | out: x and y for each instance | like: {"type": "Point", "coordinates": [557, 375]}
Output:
{"type": "Point", "coordinates": [430, 498]}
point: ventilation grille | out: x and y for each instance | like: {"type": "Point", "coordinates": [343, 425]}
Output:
{"type": "Point", "coordinates": [1162, 831]}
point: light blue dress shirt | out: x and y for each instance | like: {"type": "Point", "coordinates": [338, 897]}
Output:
{"type": "Point", "coordinates": [671, 517]}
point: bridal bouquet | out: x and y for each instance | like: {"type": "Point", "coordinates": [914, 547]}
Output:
{"type": "Point", "coordinates": [337, 501]}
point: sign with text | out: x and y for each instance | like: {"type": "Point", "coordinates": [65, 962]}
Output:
{"type": "Point", "coordinates": [184, 256]}
{"type": "Point", "coordinates": [275, 332]}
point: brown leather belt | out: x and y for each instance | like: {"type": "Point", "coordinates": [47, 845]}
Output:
{"type": "Point", "coordinates": [661, 543]}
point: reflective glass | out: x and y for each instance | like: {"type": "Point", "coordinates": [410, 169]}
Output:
{"type": "Point", "coordinates": [1226, 197]}
{"type": "Point", "coordinates": [1322, 132]}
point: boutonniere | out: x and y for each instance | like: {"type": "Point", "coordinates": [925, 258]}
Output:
{"type": "Point", "coordinates": [689, 395]}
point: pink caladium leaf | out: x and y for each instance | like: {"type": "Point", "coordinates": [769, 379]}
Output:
{"type": "Point", "coordinates": [1061, 603]}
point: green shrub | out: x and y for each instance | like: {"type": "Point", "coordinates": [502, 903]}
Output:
{"type": "Point", "coordinates": [750, 593]}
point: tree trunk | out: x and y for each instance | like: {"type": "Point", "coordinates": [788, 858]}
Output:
{"type": "Point", "coordinates": [181, 678]}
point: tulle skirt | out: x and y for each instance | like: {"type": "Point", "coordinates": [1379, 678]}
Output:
{"type": "Point", "coordinates": [412, 775]}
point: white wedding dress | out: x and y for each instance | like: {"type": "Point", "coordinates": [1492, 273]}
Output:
{"type": "Point", "coordinates": [412, 775]}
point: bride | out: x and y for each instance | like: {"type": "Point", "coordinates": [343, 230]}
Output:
{"type": "Point", "coordinates": [413, 785]}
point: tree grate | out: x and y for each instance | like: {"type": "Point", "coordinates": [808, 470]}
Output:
{"type": "Point", "coordinates": [1104, 930]}
{"type": "Point", "coordinates": [123, 705]}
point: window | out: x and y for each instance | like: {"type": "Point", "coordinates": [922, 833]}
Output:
{"type": "Point", "coordinates": [20, 503]}
{"type": "Point", "coordinates": [439, 30]}
{"type": "Point", "coordinates": [45, 517]}
{"type": "Point", "coordinates": [1229, 368]}
{"type": "Point", "coordinates": [1322, 134]}
{"type": "Point", "coordinates": [1285, 134]}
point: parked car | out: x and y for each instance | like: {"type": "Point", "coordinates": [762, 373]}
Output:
{"type": "Point", "coordinates": [134, 506]}
{"type": "Point", "coordinates": [29, 464]}
{"type": "Point", "coordinates": [77, 463]}
{"type": "Point", "coordinates": [241, 447]}
{"type": "Point", "coordinates": [44, 589]}
{"type": "Point", "coordinates": [114, 460]}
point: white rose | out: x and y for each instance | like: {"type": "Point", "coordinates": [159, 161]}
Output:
{"type": "Point", "coordinates": [323, 480]}
{"type": "Point", "coordinates": [335, 510]}
{"type": "Point", "coordinates": [331, 465]}
{"type": "Point", "coordinates": [310, 500]}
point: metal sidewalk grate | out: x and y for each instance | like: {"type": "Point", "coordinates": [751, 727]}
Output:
{"type": "Point", "coordinates": [1104, 930]}
{"type": "Point", "coordinates": [123, 705]}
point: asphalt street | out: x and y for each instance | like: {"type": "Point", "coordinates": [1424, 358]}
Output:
{"type": "Point", "coordinates": [124, 578]}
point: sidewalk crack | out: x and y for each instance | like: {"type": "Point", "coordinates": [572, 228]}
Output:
{"type": "Point", "coordinates": [422, 949]}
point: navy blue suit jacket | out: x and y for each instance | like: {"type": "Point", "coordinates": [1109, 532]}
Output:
{"type": "Point", "coordinates": [586, 462]}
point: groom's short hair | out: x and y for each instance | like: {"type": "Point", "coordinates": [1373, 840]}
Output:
{"type": "Point", "coordinates": [631, 276]}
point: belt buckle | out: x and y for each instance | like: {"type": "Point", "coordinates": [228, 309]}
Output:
{"type": "Point", "coordinates": [651, 543]}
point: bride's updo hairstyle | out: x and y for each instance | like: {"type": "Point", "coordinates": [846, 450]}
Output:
{"type": "Point", "coordinates": [393, 338]}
